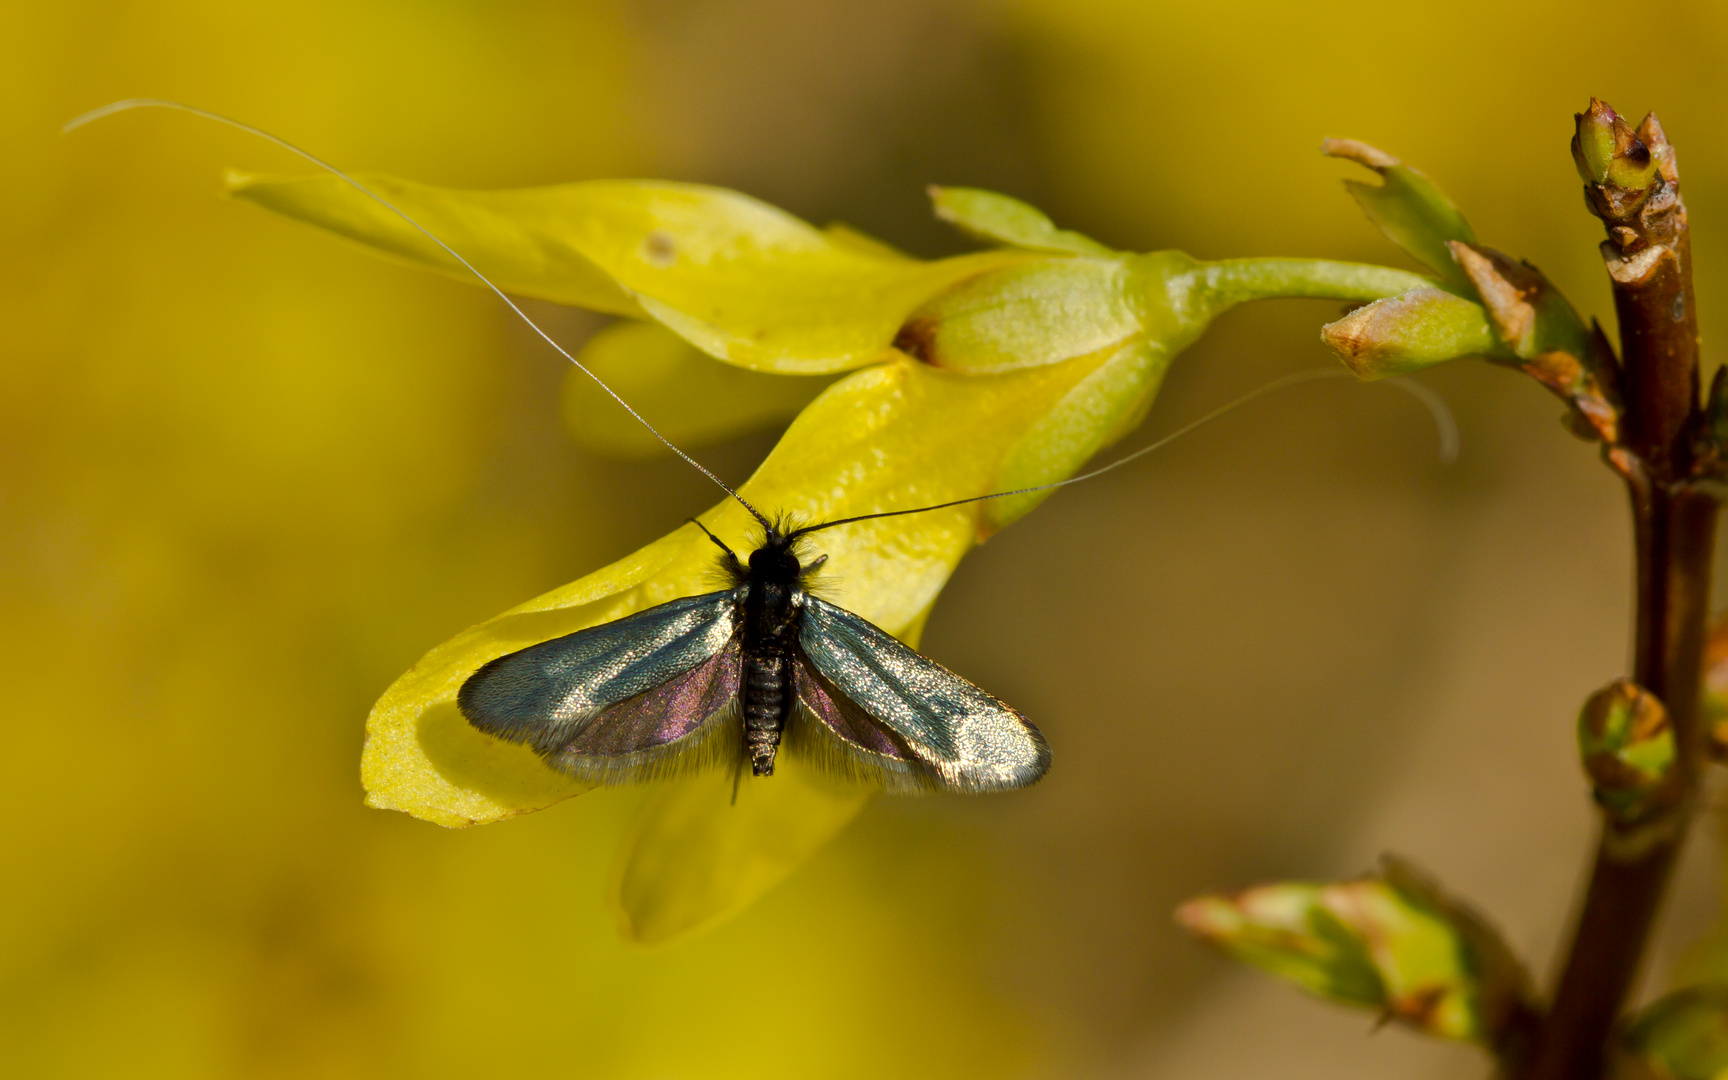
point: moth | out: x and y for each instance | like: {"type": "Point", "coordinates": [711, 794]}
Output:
{"type": "Point", "coordinates": [734, 676]}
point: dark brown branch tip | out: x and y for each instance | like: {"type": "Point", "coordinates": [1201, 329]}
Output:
{"type": "Point", "coordinates": [1631, 182]}
{"type": "Point", "coordinates": [1632, 185]}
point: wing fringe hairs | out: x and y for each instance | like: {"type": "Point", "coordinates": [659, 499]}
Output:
{"type": "Point", "coordinates": [717, 742]}
{"type": "Point", "coordinates": [809, 740]}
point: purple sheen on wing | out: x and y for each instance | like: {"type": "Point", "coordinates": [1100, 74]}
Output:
{"type": "Point", "coordinates": [843, 717]}
{"type": "Point", "coordinates": [664, 714]}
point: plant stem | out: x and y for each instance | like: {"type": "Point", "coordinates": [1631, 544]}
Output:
{"type": "Point", "coordinates": [1233, 281]}
{"type": "Point", "coordinates": [1649, 260]}
{"type": "Point", "coordinates": [1674, 535]}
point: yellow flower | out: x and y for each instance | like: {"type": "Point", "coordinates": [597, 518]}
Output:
{"type": "Point", "coordinates": [985, 372]}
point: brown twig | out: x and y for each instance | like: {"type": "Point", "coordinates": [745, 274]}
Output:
{"type": "Point", "coordinates": [1631, 183]}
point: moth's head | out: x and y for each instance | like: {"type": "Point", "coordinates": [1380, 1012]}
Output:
{"type": "Point", "coordinates": [776, 560]}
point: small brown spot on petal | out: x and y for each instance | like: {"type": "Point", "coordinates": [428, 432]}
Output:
{"type": "Point", "coordinates": [659, 249]}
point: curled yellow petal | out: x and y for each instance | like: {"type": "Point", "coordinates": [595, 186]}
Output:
{"type": "Point", "coordinates": [740, 279]}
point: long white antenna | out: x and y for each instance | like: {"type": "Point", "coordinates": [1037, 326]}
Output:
{"type": "Point", "coordinates": [1448, 430]}
{"type": "Point", "coordinates": [163, 103]}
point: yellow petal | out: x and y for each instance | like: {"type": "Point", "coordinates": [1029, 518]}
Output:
{"type": "Point", "coordinates": [694, 399]}
{"type": "Point", "coordinates": [694, 857]}
{"type": "Point", "coordinates": [1101, 408]}
{"type": "Point", "coordinates": [742, 280]}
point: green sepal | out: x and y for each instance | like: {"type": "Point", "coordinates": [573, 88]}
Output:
{"type": "Point", "coordinates": [1409, 209]}
{"type": "Point", "coordinates": [986, 215]}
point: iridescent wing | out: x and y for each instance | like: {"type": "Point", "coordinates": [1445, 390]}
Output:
{"type": "Point", "coordinates": [641, 697]}
{"type": "Point", "coordinates": [873, 707]}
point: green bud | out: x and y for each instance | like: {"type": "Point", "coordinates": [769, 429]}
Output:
{"type": "Point", "coordinates": [1412, 331]}
{"type": "Point", "coordinates": [1390, 941]}
{"type": "Point", "coordinates": [1521, 317]}
{"type": "Point", "coordinates": [1285, 930]}
{"type": "Point", "coordinates": [1593, 141]}
{"type": "Point", "coordinates": [1629, 752]}
{"type": "Point", "coordinates": [1683, 1036]}
{"type": "Point", "coordinates": [1031, 315]}
{"type": "Point", "coordinates": [1049, 310]}
{"type": "Point", "coordinates": [1607, 150]}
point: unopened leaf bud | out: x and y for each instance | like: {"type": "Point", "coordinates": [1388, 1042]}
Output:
{"type": "Point", "coordinates": [1607, 150]}
{"type": "Point", "coordinates": [1389, 941]}
{"type": "Point", "coordinates": [1412, 331]}
{"type": "Point", "coordinates": [1683, 1036]}
{"type": "Point", "coordinates": [1629, 751]}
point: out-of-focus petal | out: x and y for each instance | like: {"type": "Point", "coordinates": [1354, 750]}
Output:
{"type": "Point", "coordinates": [741, 280]}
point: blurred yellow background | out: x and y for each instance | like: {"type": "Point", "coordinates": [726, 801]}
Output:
{"type": "Point", "coordinates": [248, 475]}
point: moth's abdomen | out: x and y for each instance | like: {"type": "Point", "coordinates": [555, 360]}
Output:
{"type": "Point", "coordinates": [767, 693]}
